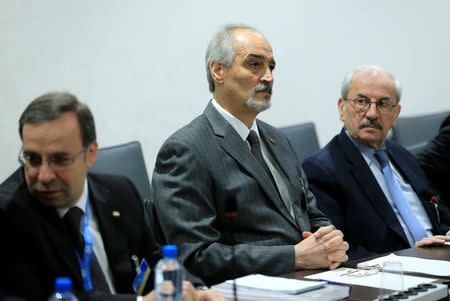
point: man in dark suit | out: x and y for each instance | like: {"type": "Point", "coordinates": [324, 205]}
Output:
{"type": "Point", "coordinates": [38, 202]}
{"type": "Point", "coordinates": [370, 187]}
{"type": "Point", "coordinates": [435, 161]}
{"type": "Point", "coordinates": [236, 206]}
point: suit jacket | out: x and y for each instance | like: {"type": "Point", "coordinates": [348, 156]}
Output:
{"type": "Point", "coordinates": [348, 192]}
{"type": "Point", "coordinates": [204, 169]}
{"type": "Point", "coordinates": [435, 161]}
{"type": "Point", "coordinates": [36, 248]}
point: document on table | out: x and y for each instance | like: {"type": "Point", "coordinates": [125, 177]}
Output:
{"type": "Point", "coordinates": [265, 288]}
{"type": "Point", "coordinates": [278, 284]}
{"type": "Point", "coordinates": [372, 280]}
{"type": "Point", "coordinates": [437, 268]}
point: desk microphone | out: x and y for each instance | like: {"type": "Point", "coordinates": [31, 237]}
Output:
{"type": "Point", "coordinates": [231, 212]}
{"type": "Point", "coordinates": [435, 199]}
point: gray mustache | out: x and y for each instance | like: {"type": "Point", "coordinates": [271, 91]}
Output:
{"type": "Point", "coordinates": [263, 88]}
{"type": "Point", "coordinates": [373, 123]}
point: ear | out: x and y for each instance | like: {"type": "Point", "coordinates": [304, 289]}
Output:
{"type": "Point", "coordinates": [340, 104]}
{"type": "Point", "coordinates": [91, 153]}
{"type": "Point", "coordinates": [397, 110]}
{"type": "Point", "coordinates": [217, 72]}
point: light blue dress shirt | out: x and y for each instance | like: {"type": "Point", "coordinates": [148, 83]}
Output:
{"type": "Point", "coordinates": [413, 200]}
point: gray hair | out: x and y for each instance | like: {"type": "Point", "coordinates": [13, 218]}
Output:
{"type": "Point", "coordinates": [51, 106]}
{"type": "Point", "coordinates": [346, 83]}
{"type": "Point", "coordinates": [221, 49]}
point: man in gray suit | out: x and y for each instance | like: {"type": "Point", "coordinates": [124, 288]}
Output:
{"type": "Point", "coordinates": [229, 190]}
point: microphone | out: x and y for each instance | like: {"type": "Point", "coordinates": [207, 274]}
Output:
{"type": "Point", "coordinates": [435, 200]}
{"type": "Point", "coordinates": [231, 212]}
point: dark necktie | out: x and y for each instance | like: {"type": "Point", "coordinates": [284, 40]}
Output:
{"type": "Point", "coordinates": [256, 150]}
{"type": "Point", "coordinates": [413, 224]}
{"type": "Point", "coordinates": [72, 219]}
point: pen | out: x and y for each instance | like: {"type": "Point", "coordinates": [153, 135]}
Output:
{"type": "Point", "coordinates": [333, 283]}
{"type": "Point", "coordinates": [136, 264]}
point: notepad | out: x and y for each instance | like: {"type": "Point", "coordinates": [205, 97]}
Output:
{"type": "Point", "coordinates": [277, 284]}
{"type": "Point", "coordinates": [266, 288]}
{"type": "Point", "coordinates": [431, 267]}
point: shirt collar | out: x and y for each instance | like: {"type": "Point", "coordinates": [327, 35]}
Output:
{"type": "Point", "coordinates": [238, 125]}
{"type": "Point", "coordinates": [366, 151]}
{"type": "Point", "coordinates": [81, 202]}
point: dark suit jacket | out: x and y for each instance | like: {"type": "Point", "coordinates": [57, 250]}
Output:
{"type": "Point", "coordinates": [206, 167]}
{"type": "Point", "coordinates": [435, 161]}
{"type": "Point", "coordinates": [348, 192]}
{"type": "Point", "coordinates": [36, 249]}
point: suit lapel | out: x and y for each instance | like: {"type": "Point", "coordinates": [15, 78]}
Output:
{"type": "Point", "coordinates": [237, 148]}
{"type": "Point", "coordinates": [112, 230]}
{"type": "Point", "coordinates": [286, 163]}
{"type": "Point", "coordinates": [364, 176]}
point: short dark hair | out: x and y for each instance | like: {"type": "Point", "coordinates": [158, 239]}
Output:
{"type": "Point", "coordinates": [51, 106]}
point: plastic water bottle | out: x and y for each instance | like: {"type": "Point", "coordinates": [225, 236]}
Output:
{"type": "Point", "coordinates": [63, 290]}
{"type": "Point", "coordinates": [169, 275]}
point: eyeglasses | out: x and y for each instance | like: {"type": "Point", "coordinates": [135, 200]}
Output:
{"type": "Point", "coordinates": [362, 104]}
{"type": "Point", "coordinates": [363, 271]}
{"type": "Point", "coordinates": [57, 161]}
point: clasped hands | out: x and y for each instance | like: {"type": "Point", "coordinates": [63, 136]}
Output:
{"type": "Point", "coordinates": [324, 248]}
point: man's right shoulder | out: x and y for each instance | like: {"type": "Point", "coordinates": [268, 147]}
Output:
{"type": "Point", "coordinates": [194, 130]}
{"type": "Point", "coordinates": [11, 186]}
{"type": "Point", "coordinates": [325, 154]}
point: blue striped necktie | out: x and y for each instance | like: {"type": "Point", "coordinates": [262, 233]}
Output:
{"type": "Point", "coordinates": [415, 227]}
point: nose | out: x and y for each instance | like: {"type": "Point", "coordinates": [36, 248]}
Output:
{"type": "Point", "coordinates": [45, 173]}
{"type": "Point", "coordinates": [372, 112]}
{"type": "Point", "coordinates": [267, 76]}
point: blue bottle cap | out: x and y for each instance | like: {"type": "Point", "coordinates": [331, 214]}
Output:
{"type": "Point", "coordinates": [63, 284]}
{"type": "Point", "coordinates": [170, 251]}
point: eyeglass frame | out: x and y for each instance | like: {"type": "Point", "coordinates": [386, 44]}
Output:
{"type": "Point", "coordinates": [369, 104]}
{"type": "Point", "coordinates": [71, 158]}
{"type": "Point", "coordinates": [363, 271]}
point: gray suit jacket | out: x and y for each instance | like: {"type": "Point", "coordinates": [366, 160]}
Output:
{"type": "Point", "coordinates": [204, 166]}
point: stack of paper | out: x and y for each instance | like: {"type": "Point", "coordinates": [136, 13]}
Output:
{"type": "Point", "coordinates": [439, 268]}
{"type": "Point", "coordinates": [261, 288]}
{"type": "Point", "coordinates": [342, 275]}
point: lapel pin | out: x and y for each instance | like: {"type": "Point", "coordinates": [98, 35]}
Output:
{"type": "Point", "coordinates": [271, 140]}
{"type": "Point", "coordinates": [116, 213]}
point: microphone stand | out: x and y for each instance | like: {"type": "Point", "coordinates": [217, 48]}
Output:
{"type": "Point", "coordinates": [436, 201]}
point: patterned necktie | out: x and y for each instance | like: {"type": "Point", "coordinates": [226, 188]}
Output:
{"type": "Point", "coordinates": [415, 227]}
{"type": "Point", "coordinates": [72, 220]}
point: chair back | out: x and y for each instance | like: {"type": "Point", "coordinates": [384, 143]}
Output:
{"type": "Point", "coordinates": [416, 131]}
{"type": "Point", "coordinates": [303, 138]}
{"type": "Point", "coordinates": [125, 160]}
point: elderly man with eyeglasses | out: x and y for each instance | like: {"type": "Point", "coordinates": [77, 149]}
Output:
{"type": "Point", "coordinates": [58, 220]}
{"type": "Point", "coordinates": [370, 187]}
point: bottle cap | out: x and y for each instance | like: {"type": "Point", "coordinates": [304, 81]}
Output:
{"type": "Point", "coordinates": [170, 251]}
{"type": "Point", "coordinates": [63, 284]}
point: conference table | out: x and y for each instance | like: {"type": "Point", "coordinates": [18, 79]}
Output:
{"type": "Point", "coordinates": [370, 293]}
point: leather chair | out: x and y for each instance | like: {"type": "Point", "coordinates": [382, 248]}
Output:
{"type": "Point", "coordinates": [415, 132]}
{"type": "Point", "coordinates": [303, 138]}
{"type": "Point", "coordinates": [125, 160]}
